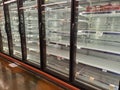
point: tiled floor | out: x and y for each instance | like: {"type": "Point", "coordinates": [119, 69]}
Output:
{"type": "Point", "coordinates": [16, 78]}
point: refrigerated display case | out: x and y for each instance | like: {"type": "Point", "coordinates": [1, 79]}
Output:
{"type": "Point", "coordinates": [96, 25]}
{"type": "Point", "coordinates": [97, 56]}
{"type": "Point", "coordinates": [32, 31]}
{"type": "Point", "coordinates": [56, 18]}
{"type": "Point", "coordinates": [98, 51]}
{"type": "Point", "coordinates": [97, 40]}
{"type": "Point", "coordinates": [3, 31]}
{"type": "Point", "coordinates": [14, 21]}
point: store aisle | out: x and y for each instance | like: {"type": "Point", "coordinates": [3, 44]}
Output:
{"type": "Point", "coordinates": [13, 77]}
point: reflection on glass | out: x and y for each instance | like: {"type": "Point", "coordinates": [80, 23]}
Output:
{"type": "Point", "coordinates": [2, 27]}
{"type": "Point", "coordinates": [15, 30]}
{"type": "Point", "coordinates": [98, 43]}
{"type": "Point", "coordinates": [32, 31]}
{"type": "Point", "coordinates": [57, 26]}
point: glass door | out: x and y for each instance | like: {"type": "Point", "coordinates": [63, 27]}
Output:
{"type": "Point", "coordinates": [57, 15]}
{"type": "Point", "coordinates": [98, 43]}
{"type": "Point", "coordinates": [32, 31]}
{"type": "Point", "coordinates": [15, 29]}
{"type": "Point", "coordinates": [2, 28]}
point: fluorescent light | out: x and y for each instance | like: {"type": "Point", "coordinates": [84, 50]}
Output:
{"type": "Point", "coordinates": [29, 7]}
{"type": "Point", "coordinates": [56, 3]}
{"type": "Point", "coordinates": [7, 2]}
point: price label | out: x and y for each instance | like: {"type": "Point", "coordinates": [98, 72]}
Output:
{"type": "Point", "coordinates": [104, 70]}
{"type": "Point", "coordinates": [111, 87]}
{"type": "Point", "coordinates": [98, 33]}
{"type": "Point", "coordinates": [79, 47]}
{"type": "Point", "coordinates": [91, 78]}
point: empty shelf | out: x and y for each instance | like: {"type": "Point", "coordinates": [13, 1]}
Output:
{"type": "Point", "coordinates": [93, 61]}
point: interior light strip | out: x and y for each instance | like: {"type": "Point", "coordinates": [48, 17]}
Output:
{"type": "Point", "coordinates": [50, 4]}
{"type": "Point", "coordinates": [7, 2]}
